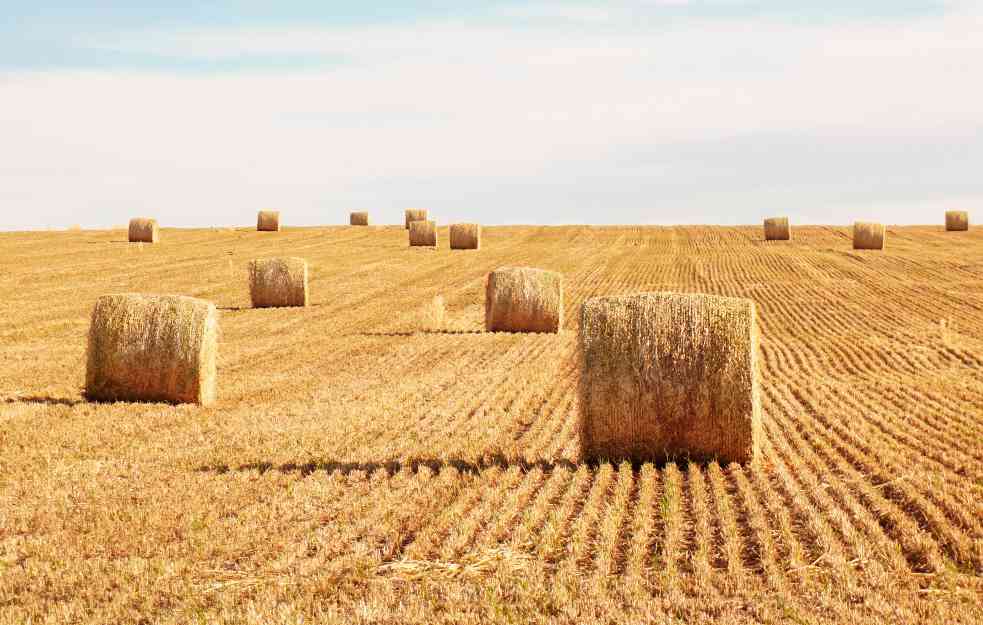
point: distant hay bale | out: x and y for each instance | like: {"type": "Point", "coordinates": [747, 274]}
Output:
{"type": "Point", "coordinates": [143, 230]}
{"type": "Point", "coordinates": [465, 236]}
{"type": "Point", "coordinates": [956, 221]}
{"type": "Point", "coordinates": [360, 218]}
{"type": "Point", "coordinates": [669, 375]}
{"type": "Point", "coordinates": [415, 214]}
{"type": "Point", "coordinates": [522, 299]}
{"type": "Point", "coordinates": [432, 317]}
{"type": "Point", "coordinates": [152, 348]}
{"type": "Point", "coordinates": [868, 235]}
{"type": "Point", "coordinates": [268, 221]}
{"type": "Point", "coordinates": [276, 282]}
{"type": "Point", "coordinates": [75, 228]}
{"type": "Point", "coordinates": [423, 233]}
{"type": "Point", "coordinates": [777, 229]}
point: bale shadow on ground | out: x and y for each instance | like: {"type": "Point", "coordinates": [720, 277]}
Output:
{"type": "Point", "coordinates": [42, 399]}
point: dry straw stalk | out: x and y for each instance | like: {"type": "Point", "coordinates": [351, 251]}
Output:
{"type": "Point", "coordinates": [143, 230]}
{"type": "Point", "coordinates": [423, 233]}
{"type": "Point", "coordinates": [152, 348]}
{"type": "Point", "coordinates": [522, 299]}
{"type": "Point", "coordinates": [268, 221]}
{"type": "Point", "coordinates": [359, 219]}
{"type": "Point", "coordinates": [465, 236]}
{"type": "Point", "coordinates": [868, 235]}
{"type": "Point", "coordinates": [275, 282]}
{"type": "Point", "coordinates": [667, 375]}
{"type": "Point", "coordinates": [777, 229]}
{"type": "Point", "coordinates": [956, 221]}
{"type": "Point", "coordinates": [415, 214]}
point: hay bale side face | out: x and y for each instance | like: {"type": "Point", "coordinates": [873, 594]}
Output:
{"type": "Point", "coordinates": [423, 233]}
{"type": "Point", "coordinates": [415, 214]}
{"type": "Point", "coordinates": [777, 229]}
{"type": "Point", "coordinates": [522, 299]}
{"type": "Point", "coordinates": [359, 219]}
{"type": "Point", "coordinates": [268, 221]}
{"type": "Point", "coordinates": [669, 375]}
{"type": "Point", "coordinates": [956, 221]}
{"type": "Point", "coordinates": [465, 236]}
{"type": "Point", "coordinates": [276, 282]}
{"type": "Point", "coordinates": [868, 235]}
{"type": "Point", "coordinates": [152, 348]}
{"type": "Point", "coordinates": [143, 230]}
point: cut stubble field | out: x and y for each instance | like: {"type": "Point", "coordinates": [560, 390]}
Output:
{"type": "Point", "coordinates": [355, 469]}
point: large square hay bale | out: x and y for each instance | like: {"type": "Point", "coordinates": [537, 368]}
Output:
{"type": "Point", "coordinates": [415, 214]}
{"type": "Point", "coordinates": [522, 299]}
{"type": "Point", "coordinates": [423, 233]}
{"type": "Point", "coordinates": [777, 229]}
{"type": "Point", "coordinates": [868, 235]}
{"type": "Point", "coordinates": [268, 221]}
{"type": "Point", "coordinates": [152, 348]}
{"type": "Point", "coordinates": [666, 375]}
{"type": "Point", "coordinates": [143, 230]}
{"type": "Point", "coordinates": [360, 218]}
{"type": "Point", "coordinates": [275, 282]}
{"type": "Point", "coordinates": [956, 221]}
{"type": "Point", "coordinates": [465, 236]}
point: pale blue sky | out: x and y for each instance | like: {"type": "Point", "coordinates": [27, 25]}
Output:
{"type": "Point", "coordinates": [658, 111]}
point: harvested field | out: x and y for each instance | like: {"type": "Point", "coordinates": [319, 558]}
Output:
{"type": "Point", "coordinates": [352, 472]}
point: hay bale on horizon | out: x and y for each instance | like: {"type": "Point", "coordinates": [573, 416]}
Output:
{"type": "Point", "coordinates": [143, 230]}
{"type": "Point", "coordinates": [268, 221]}
{"type": "Point", "coordinates": [360, 218]}
{"type": "Point", "coordinates": [777, 229]}
{"type": "Point", "coordinates": [868, 235]}
{"type": "Point", "coordinates": [956, 221]}
{"type": "Point", "coordinates": [423, 233]}
{"type": "Point", "coordinates": [278, 282]}
{"type": "Point", "coordinates": [523, 299]}
{"type": "Point", "coordinates": [415, 214]}
{"type": "Point", "coordinates": [465, 236]}
{"type": "Point", "coordinates": [669, 375]}
{"type": "Point", "coordinates": [152, 348]}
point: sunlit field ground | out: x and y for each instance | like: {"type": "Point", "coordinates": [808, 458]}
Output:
{"type": "Point", "coordinates": [355, 470]}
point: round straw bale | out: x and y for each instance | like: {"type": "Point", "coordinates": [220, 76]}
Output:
{"type": "Point", "coordinates": [465, 236]}
{"type": "Point", "coordinates": [152, 348]}
{"type": "Point", "coordinates": [777, 229]}
{"type": "Point", "coordinates": [415, 214]}
{"type": "Point", "coordinates": [423, 233]}
{"type": "Point", "coordinates": [956, 221]}
{"type": "Point", "coordinates": [268, 221]}
{"type": "Point", "coordinates": [275, 282]}
{"type": "Point", "coordinates": [143, 230]}
{"type": "Point", "coordinates": [359, 219]}
{"type": "Point", "coordinates": [522, 299]}
{"type": "Point", "coordinates": [868, 235]}
{"type": "Point", "coordinates": [669, 375]}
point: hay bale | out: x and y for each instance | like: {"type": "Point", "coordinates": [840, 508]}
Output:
{"type": "Point", "coordinates": [777, 229]}
{"type": "Point", "coordinates": [432, 316]}
{"type": "Point", "coordinates": [276, 282]}
{"type": "Point", "coordinates": [465, 236]}
{"type": "Point", "coordinates": [143, 230]}
{"type": "Point", "coordinates": [868, 235]}
{"type": "Point", "coordinates": [669, 375]}
{"type": "Point", "coordinates": [423, 233]}
{"type": "Point", "coordinates": [359, 219]}
{"type": "Point", "coordinates": [522, 299]}
{"type": "Point", "coordinates": [152, 348]}
{"type": "Point", "coordinates": [415, 214]}
{"type": "Point", "coordinates": [956, 221]}
{"type": "Point", "coordinates": [268, 221]}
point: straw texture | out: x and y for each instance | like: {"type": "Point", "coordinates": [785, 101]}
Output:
{"type": "Point", "coordinates": [956, 221]}
{"type": "Point", "coordinates": [359, 219]}
{"type": "Point", "coordinates": [143, 230]}
{"type": "Point", "coordinates": [268, 221]}
{"type": "Point", "coordinates": [668, 375]}
{"type": "Point", "coordinates": [777, 229]}
{"type": "Point", "coordinates": [275, 282]}
{"type": "Point", "coordinates": [522, 299]}
{"type": "Point", "coordinates": [415, 214]}
{"type": "Point", "coordinates": [868, 235]}
{"type": "Point", "coordinates": [465, 236]}
{"type": "Point", "coordinates": [152, 348]}
{"type": "Point", "coordinates": [423, 233]}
